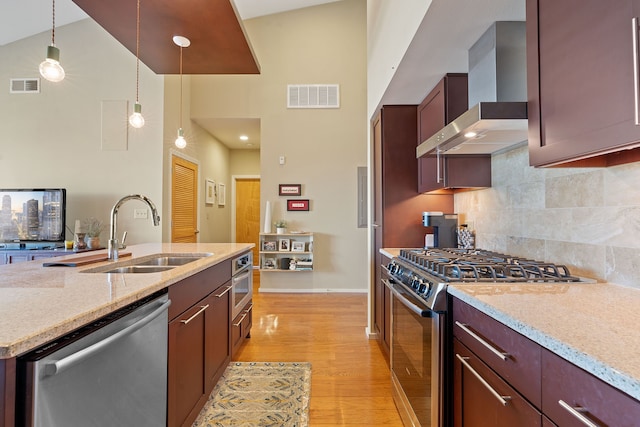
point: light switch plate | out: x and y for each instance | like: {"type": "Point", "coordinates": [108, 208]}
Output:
{"type": "Point", "coordinates": [140, 214]}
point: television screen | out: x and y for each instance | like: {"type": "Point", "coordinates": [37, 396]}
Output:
{"type": "Point", "coordinates": [32, 215]}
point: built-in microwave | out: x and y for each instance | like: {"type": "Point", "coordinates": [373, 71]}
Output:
{"type": "Point", "coordinates": [241, 282]}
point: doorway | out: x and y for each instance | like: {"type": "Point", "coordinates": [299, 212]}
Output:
{"type": "Point", "coordinates": [247, 212]}
{"type": "Point", "coordinates": [184, 200]}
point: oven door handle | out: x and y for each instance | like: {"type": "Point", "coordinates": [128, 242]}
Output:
{"type": "Point", "coordinates": [405, 301]}
{"type": "Point", "coordinates": [240, 277]}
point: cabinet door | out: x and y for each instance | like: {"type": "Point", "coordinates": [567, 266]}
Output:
{"type": "Point", "coordinates": [217, 337]}
{"type": "Point", "coordinates": [580, 73]}
{"type": "Point", "coordinates": [186, 370]}
{"type": "Point", "coordinates": [592, 398]}
{"type": "Point", "coordinates": [478, 392]}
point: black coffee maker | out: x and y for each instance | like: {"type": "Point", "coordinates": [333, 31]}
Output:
{"type": "Point", "coordinates": [443, 233]}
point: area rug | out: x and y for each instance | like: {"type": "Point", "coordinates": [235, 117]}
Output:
{"type": "Point", "coordinates": [261, 394]}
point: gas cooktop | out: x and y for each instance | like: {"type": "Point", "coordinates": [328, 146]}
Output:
{"type": "Point", "coordinates": [427, 272]}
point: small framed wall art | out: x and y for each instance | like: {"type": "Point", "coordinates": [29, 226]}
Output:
{"type": "Point", "coordinates": [290, 189]}
{"type": "Point", "coordinates": [209, 191]}
{"type": "Point", "coordinates": [298, 204]}
{"type": "Point", "coordinates": [297, 246]}
{"type": "Point", "coordinates": [221, 195]}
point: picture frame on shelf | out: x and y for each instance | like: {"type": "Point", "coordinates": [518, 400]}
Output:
{"type": "Point", "coordinates": [209, 191]}
{"type": "Point", "coordinates": [284, 245]}
{"type": "Point", "coordinates": [269, 264]}
{"type": "Point", "coordinates": [289, 189]}
{"type": "Point", "coordinates": [269, 246]}
{"type": "Point", "coordinates": [297, 246]}
{"type": "Point", "coordinates": [222, 199]}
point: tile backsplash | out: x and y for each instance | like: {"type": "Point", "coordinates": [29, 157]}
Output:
{"type": "Point", "coordinates": [586, 218]}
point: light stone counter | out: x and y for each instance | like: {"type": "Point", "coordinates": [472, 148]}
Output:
{"type": "Point", "coordinates": [594, 326]}
{"type": "Point", "coordinates": [38, 304]}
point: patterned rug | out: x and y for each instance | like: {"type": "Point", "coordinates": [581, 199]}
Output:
{"type": "Point", "coordinates": [261, 394]}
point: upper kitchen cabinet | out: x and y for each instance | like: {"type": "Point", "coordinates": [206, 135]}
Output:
{"type": "Point", "coordinates": [582, 80]}
{"type": "Point", "coordinates": [447, 100]}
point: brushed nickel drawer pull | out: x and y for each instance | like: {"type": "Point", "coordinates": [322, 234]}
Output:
{"type": "Point", "coordinates": [504, 400]}
{"type": "Point", "coordinates": [636, 70]}
{"type": "Point", "coordinates": [576, 413]}
{"type": "Point", "coordinates": [495, 351]}
{"type": "Point", "coordinates": [224, 292]}
{"type": "Point", "coordinates": [202, 308]}
{"type": "Point", "coordinates": [241, 320]}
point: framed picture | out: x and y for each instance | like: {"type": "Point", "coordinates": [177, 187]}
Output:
{"type": "Point", "coordinates": [269, 263]}
{"type": "Point", "coordinates": [290, 189]}
{"type": "Point", "coordinates": [269, 246]}
{"type": "Point", "coordinates": [284, 245]}
{"type": "Point", "coordinates": [297, 246]}
{"type": "Point", "coordinates": [221, 195]}
{"type": "Point", "coordinates": [298, 205]}
{"type": "Point", "coordinates": [209, 191]}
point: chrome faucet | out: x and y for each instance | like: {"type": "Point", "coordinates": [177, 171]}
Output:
{"type": "Point", "coordinates": [113, 241]}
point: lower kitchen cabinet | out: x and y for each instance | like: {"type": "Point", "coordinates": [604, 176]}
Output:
{"type": "Point", "coordinates": [199, 341]}
{"type": "Point", "coordinates": [382, 309]}
{"type": "Point", "coordinates": [492, 361]}
{"type": "Point", "coordinates": [241, 328]}
{"type": "Point", "coordinates": [483, 398]}
{"type": "Point", "coordinates": [592, 400]}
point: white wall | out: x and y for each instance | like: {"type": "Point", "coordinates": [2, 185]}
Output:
{"type": "Point", "coordinates": [318, 45]}
{"type": "Point", "coordinates": [53, 139]}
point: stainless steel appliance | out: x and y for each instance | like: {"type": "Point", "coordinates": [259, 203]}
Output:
{"type": "Point", "coordinates": [112, 372]}
{"type": "Point", "coordinates": [418, 279]}
{"type": "Point", "coordinates": [242, 282]}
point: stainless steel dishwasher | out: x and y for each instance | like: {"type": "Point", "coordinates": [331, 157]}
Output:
{"type": "Point", "coordinates": [112, 372]}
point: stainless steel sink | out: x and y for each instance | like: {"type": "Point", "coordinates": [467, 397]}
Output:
{"type": "Point", "coordinates": [170, 260]}
{"type": "Point", "coordinates": [140, 269]}
{"type": "Point", "coordinates": [150, 263]}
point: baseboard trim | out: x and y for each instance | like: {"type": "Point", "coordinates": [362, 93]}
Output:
{"type": "Point", "coordinates": [312, 291]}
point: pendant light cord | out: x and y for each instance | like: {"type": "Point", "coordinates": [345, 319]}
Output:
{"type": "Point", "coordinates": [53, 24]}
{"type": "Point", "coordinates": [180, 86]}
{"type": "Point", "coordinates": [137, 52]}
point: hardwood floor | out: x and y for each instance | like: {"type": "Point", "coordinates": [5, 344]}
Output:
{"type": "Point", "coordinates": [350, 379]}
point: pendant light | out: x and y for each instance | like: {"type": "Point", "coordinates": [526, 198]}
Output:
{"type": "Point", "coordinates": [182, 42]}
{"type": "Point", "coordinates": [50, 68]}
{"type": "Point", "coordinates": [135, 119]}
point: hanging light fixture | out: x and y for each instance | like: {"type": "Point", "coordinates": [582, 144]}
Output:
{"type": "Point", "coordinates": [182, 42]}
{"type": "Point", "coordinates": [135, 119]}
{"type": "Point", "coordinates": [50, 68]}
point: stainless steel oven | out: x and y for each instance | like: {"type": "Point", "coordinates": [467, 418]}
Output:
{"type": "Point", "coordinates": [241, 282]}
{"type": "Point", "coordinates": [417, 355]}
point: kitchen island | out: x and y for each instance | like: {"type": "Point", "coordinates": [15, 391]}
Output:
{"type": "Point", "coordinates": [39, 304]}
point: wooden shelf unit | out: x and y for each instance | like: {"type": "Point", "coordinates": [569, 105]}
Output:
{"type": "Point", "coordinates": [273, 256]}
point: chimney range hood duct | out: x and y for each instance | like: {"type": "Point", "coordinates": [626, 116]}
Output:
{"type": "Point", "coordinates": [497, 115]}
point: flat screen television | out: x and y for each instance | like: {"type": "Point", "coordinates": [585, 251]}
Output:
{"type": "Point", "coordinates": [32, 216]}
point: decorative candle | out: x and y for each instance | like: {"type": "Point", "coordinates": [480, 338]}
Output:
{"type": "Point", "coordinates": [78, 228]}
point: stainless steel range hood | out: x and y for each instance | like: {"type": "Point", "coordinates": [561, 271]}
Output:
{"type": "Point", "coordinates": [497, 117]}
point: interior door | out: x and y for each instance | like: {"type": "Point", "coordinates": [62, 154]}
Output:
{"type": "Point", "coordinates": [248, 213]}
{"type": "Point", "coordinates": [184, 200]}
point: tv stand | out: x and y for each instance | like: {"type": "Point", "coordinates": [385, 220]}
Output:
{"type": "Point", "coordinates": [29, 253]}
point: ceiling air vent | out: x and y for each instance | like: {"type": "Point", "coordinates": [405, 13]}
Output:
{"type": "Point", "coordinates": [313, 96]}
{"type": "Point", "coordinates": [24, 86]}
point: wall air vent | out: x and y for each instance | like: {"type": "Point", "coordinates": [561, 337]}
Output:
{"type": "Point", "coordinates": [24, 85]}
{"type": "Point", "coordinates": [313, 96]}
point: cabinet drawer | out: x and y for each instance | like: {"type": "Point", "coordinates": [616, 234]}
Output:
{"type": "Point", "coordinates": [514, 357]}
{"type": "Point", "coordinates": [484, 399]}
{"type": "Point", "coordinates": [187, 292]}
{"type": "Point", "coordinates": [601, 403]}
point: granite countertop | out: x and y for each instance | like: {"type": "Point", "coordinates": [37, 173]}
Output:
{"type": "Point", "coordinates": [40, 303]}
{"type": "Point", "coordinates": [592, 325]}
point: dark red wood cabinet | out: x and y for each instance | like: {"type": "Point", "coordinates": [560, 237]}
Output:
{"type": "Point", "coordinates": [580, 82]}
{"type": "Point", "coordinates": [199, 341]}
{"type": "Point", "coordinates": [398, 207]}
{"type": "Point", "coordinates": [241, 328]}
{"type": "Point", "coordinates": [446, 101]}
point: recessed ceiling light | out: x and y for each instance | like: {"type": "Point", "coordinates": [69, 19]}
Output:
{"type": "Point", "coordinates": [244, 137]}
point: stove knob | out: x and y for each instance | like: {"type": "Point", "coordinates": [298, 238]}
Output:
{"type": "Point", "coordinates": [415, 282]}
{"type": "Point", "coordinates": [392, 267]}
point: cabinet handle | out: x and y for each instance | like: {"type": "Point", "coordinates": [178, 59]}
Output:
{"type": "Point", "coordinates": [438, 151]}
{"type": "Point", "coordinates": [636, 70]}
{"type": "Point", "coordinates": [576, 413]}
{"type": "Point", "coordinates": [224, 292]}
{"type": "Point", "coordinates": [504, 400]}
{"type": "Point", "coordinates": [494, 350]}
{"type": "Point", "coordinates": [244, 314]}
{"type": "Point", "coordinates": [202, 308]}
